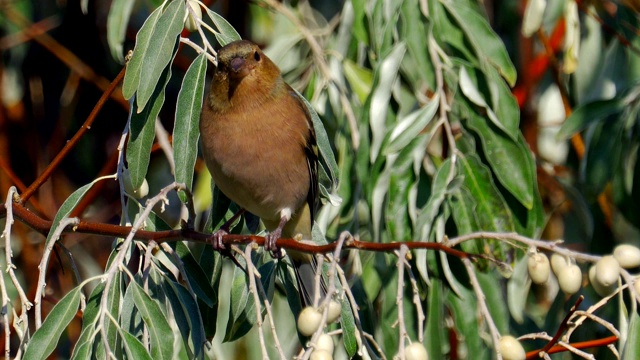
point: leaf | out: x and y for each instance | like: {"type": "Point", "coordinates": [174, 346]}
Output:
{"type": "Point", "coordinates": [241, 316]}
{"type": "Point", "coordinates": [132, 74]}
{"type": "Point", "coordinates": [385, 75]}
{"type": "Point", "coordinates": [159, 330]}
{"type": "Point", "coordinates": [161, 50]}
{"type": "Point", "coordinates": [186, 131]}
{"type": "Point", "coordinates": [348, 325]}
{"type": "Point", "coordinates": [84, 344]}
{"type": "Point", "coordinates": [117, 22]}
{"type": "Point", "coordinates": [227, 33]}
{"type": "Point", "coordinates": [469, 84]}
{"type": "Point", "coordinates": [435, 342]}
{"type": "Point", "coordinates": [487, 44]}
{"type": "Point", "coordinates": [134, 347]}
{"type": "Point", "coordinates": [44, 340]}
{"type": "Point", "coordinates": [518, 287]}
{"type": "Point", "coordinates": [632, 345]}
{"type": "Point", "coordinates": [490, 208]}
{"type": "Point", "coordinates": [588, 114]}
{"type": "Point", "coordinates": [511, 161]}
{"type": "Point", "coordinates": [410, 126]}
{"type": "Point", "coordinates": [360, 79]}
{"type": "Point", "coordinates": [196, 275]}
{"type": "Point", "coordinates": [142, 132]}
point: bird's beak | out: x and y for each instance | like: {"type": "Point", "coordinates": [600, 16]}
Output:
{"type": "Point", "coordinates": [238, 68]}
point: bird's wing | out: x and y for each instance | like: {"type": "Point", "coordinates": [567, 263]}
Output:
{"type": "Point", "coordinates": [311, 151]}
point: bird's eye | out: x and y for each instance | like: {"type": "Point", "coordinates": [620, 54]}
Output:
{"type": "Point", "coordinates": [256, 56]}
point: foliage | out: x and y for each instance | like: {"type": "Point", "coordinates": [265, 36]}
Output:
{"type": "Point", "coordinates": [427, 117]}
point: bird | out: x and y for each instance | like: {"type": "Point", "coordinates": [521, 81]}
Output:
{"type": "Point", "coordinates": [259, 144]}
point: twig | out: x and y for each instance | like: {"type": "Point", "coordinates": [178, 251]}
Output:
{"type": "Point", "coordinates": [402, 328]}
{"type": "Point", "coordinates": [73, 142]}
{"type": "Point", "coordinates": [44, 262]}
{"type": "Point", "coordinates": [482, 305]}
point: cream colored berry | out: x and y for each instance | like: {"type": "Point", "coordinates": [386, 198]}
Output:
{"type": "Point", "coordinates": [538, 266]}
{"type": "Point", "coordinates": [628, 256]}
{"type": "Point", "coordinates": [138, 193]}
{"type": "Point", "coordinates": [559, 262]}
{"type": "Point", "coordinates": [325, 342]}
{"type": "Point", "coordinates": [334, 311]}
{"type": "Point", "coordinates": [511, 349]}
{"type": "Point", "coordinates": [636, 285]}
{"type": "Point", "coordinates": [191, 22]}
{"type": "Point", "coordinates": [570, 279]}
{"type": "Point", "coordinates": [597, 286]}
{"type": "Point", "coordinates": [416, 351]}
{"type": "Point", "coordinates": [309, 321]}
{"type": "Point", "coordinates": [319, 354]}
{"type": "Point", "coordinates": [607, 270]}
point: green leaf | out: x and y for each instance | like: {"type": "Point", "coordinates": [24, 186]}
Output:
{"type": "Point", "coordinates": [632, 345]}
{"type": "Point", "coordinates": [242, 311]}
{"type": "Point", "coordinates": [134, 347]}
{"type": "Point", "coordinates": [142, 131]}
{"type": "Point", "coordinates": [186, 131]}
{"type": "Point", "coordinates": [161, 50]}
{"type": "Point", "coordinates": [117, 22]}
{"type": "Point", "coordinates": [226, 32]}
{"type": "Point", "coordinates": [603, 155]}
{"type": "Point", "coordinates": [132, 74]}
{"type": "Point", "coordinates": [490, 208]}
{"type": "Point", "coordinates": [196, 275]}
{"type": "Point", "coordinates": [486, 43]}
{"type": "Point", "coordinates": [348, 325]}
{"type": "Point", "coordinates": [588, 114]}
{"type": "Point", "coordinates": [410, 126]}
{"type": "Point", "coordinates": [511, 161]}
{"type": "Point", "coordinates": [159, 330]}
{"type": "Point", "coordinates": [90, 317]}
{"type": "Point", "coordinates": [464, 311]}
{"type": "Point", "coordinates": [384, 77]}
{"type": "Point", "coordinates": [191, 326]}
{"type": "Point", "coordinates": [435, 342]}
{"type": "Point", "coordinates": [44, 340]}
{"type": "Point", "coordinates": [360, 79]}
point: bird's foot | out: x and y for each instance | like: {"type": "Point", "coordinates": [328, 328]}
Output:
{"type": "Point", "coordinates": [270, 243]}
{"type": "Point", "coordinates": [216, 240]}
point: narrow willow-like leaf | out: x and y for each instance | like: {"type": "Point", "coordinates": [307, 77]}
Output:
{"type": "Point", "coordinates": [44, 340]}
{"type": "Point", "coordinates": [632, 345]}
{"type": "Point", "coordinates": [487, 44]}
{"type": "Point", "coordinates": [463, 313]}
{"type": "Point", "coordinates": [590, 113]}
{"type": "Point", "coordinates": [510, 160]}
{"type": "Point", "coordinates": [197, 277]}
{"type": "Point", "coordinates": [132, 75]}
{"type": "Point", "coordinates": [90, 317]}
{"type": "Point", "coordinates": [186, 131]}
{"type": "Point", "coordinates": [385, 75]}
{"type": "Point", "coordinates": [161, 49]}
{"type": "Point", "coordinates": [142, 131]}
{"type": "Point", "coordinates": [435, 341]}
{"type": "Point", "coordinates": [240, 319]}
{"type": "Point", "coordinates": [117, 22]}
{"type": "Point", "coordinates": [159, 330]}
{"type": "Point", "coordinates": [490, 208]}
{"type": "Point", "coordinates": [226, 33]}
{"type": "Point", "coordinates": [411, 125]}
{"type": "Point", "coordinates": [134, 347]}
{"type": "Point", "coordinates": [348, 325]}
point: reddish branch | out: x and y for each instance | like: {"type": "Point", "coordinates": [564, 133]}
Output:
{"type": "Point", "coordinates": [43, 226]}
{"type": "Point", "coordinates": [72, 143]}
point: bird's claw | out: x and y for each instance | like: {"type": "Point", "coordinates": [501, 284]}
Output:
{"type": "Point", "coordinates": [216, 240]}
{"type": "Point", "coordinates": [270, 244]}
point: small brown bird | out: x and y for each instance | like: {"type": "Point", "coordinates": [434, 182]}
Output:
{"type": "Point", "coordinates": [259, 144]}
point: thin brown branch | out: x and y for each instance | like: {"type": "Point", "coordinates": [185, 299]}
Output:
{"type": "Point", "coordinates": [531, 355]}
{"type": "Point", "coordinates": [71, 143]}
{"type": "Point", "coordinates": [563, 326]}
{"type": "Point", "coordinates": [44, 226]}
